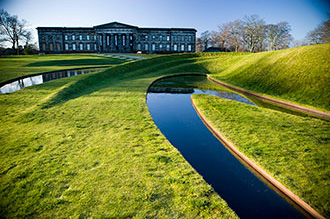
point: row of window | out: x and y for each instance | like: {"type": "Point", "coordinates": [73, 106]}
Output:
{"type": "Point", "coordinates": [162, 47]}
{"type": "Point", "coordinates": [93, 46]}
{"type": "Point", "coordinates": [81, 47]}
{"type": "Point", "coordinates": [141, 38]}
{"type": "Point", "coordinates": [80, 37]}
{"type": "Point", "coordinates": [166, 38]}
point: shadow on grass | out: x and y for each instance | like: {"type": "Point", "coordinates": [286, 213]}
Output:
{"type": "Point", "coordinates": [101, 61]}
{"type": "Point", "coordinates": [128, 73]}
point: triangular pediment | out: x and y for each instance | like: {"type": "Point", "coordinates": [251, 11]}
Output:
{"type": "Point", "coordinates": [115, 25]}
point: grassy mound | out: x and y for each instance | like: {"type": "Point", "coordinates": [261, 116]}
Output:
{"type": "Point", "coordinates": [86, 146]}
{"type": "Point", "coordinates": [293, 149]}
{"type": "Point", "coordinates": [300, 75]}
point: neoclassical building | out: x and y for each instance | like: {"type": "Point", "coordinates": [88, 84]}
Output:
{"type": "Point", "coordinates": [116, 37]}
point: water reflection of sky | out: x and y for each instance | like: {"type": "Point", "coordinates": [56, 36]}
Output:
{"type": "Point", "coordinates": [19, 84]}
{"type": "Point", "coordinates": [39, 79]}
{"type": "Point", "coordinates": [225, 95]}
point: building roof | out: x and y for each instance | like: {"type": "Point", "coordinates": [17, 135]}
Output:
{"type": "Point", "coordinates": [168, 29]}
{"type": "Point", "coordinates": [115, 25]}
{"type": "Point", "coordinates": [119, 25]}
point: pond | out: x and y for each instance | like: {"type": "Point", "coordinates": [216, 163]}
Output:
{"type": "Point", "coordinates": [176, 118]}
{"type": "Point", "coordinates": [17, 84]}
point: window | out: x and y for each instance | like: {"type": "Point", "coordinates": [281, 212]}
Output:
{"type": "Point", "coordinates": [182, 38]}
{"type": "Point", "coordinates": [189, 48]}
{"type": "Point", "coordinates": [43, 46]}
{"type": "Point", "coordinates": [182, 47]}
{"type": "Point", "coordinates": [66, 46]}
{"type": "Point", "coordinates": [66, 37]}
{"type": "Point", "coordinates": [139, 46]}
{"type": "Point", "coordinates": [130, 37]}
{"type": "Point", "coordinates": [80, 37]}
{"type": "Point", "coordinates": [189, 38]}
{"type": "Point", "coordinates": [88, 37]}
{"type": "Point", "coordinates": [160, 46]}
{"type": "Point", "coordinates": [100, 38]}
{"type": "Point", "coordinates": [81, 46]}
{"type": "Point", "coordinates": [153, 47]}
{"type": "Point", "coordinates": [74, 46]}
{"type": "Point", "coordinates": [146, 46]}
{"type": "Point", "coordinates": [174, 38]}
{"type": "Point", "coordinates": [51, 47]}
{"type": "Point", "coordinates": [124, 40]}
{"type": "Point", "coordinates": [168, 38]}
{"type": "Point", "coordinates": [88, 46]}
{"type": "Point", "coordinates": [95, 37]}
{"type": "Point", "coordinates": [95, 47]}
{"type": "Point", "coordinates": [73, 37]}
{"type": "Point", "coordinates": [146, 37]}
{"type": "Point", "coordinates": [153, 37]}
{"type": "Point", "coordinates": [168, 47]}
{"type": "Point", "coordinates": [116, 40]}
{"type": "Point", "coordinates": [160, 38]}
{"type": "Point", "coordinates": [108, 40]}
{"type": "Point", "coordinates": [175, 47]}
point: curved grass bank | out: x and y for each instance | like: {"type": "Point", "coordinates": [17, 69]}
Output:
{"type": "Point", "coordinates": [87, 146]}
{"type": "Point", "coordinates": [300, 75]}
{"type": "Point", "coordinates": [292, 149]}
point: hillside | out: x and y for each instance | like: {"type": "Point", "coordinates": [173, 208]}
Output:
{"type": "Point", "coordinates": [300, 75]}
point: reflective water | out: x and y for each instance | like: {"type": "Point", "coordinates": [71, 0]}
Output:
{"type": "Point", "coordinates": [42, 78]}
{"type": "Point", "coordinates": [246, 194]}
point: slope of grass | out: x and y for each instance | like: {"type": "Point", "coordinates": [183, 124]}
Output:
{"type": "Point", "coordinates": [16, 66]}
{"type": "Point", "coordinates": [86, 146]}
{"type": "Point", "coordinates": [293, 149]}
{"type": "Point", "coordinates": [300, 75]}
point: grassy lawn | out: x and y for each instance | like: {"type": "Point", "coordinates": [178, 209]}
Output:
{"type": "Point", "coordinates": [86, 146]}
{"type": "Point", "coordinates": [16, 66]}
{"type": "Point", "coordinates": [293, 149]}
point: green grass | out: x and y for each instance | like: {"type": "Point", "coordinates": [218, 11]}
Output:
{"type": "Point", "coordinates": [86, 146]}
{"type": "Point", "coordinates": [16, 66]}
{"type": "Point", "coordinates": [293, 149]}
{"type": "Point", "coordinates": [300, 75]}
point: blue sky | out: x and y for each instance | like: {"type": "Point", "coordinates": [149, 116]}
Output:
{"type": "Point", "coordinates": [302, 15]}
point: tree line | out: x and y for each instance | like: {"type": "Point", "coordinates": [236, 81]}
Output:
{"type": "Point", "coordinates": [252, 34]}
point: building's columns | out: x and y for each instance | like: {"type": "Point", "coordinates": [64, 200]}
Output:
{"type": "Point", "coordinates": [104, 42]}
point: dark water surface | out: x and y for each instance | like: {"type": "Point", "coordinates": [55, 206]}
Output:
{"type": "Point", "coordinates": [42, 78]}
{"type": "Point", "coordinates": [246, 194]}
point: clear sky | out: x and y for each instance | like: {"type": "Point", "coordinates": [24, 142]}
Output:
{"type": "Point", "coordinates": [302, 15]}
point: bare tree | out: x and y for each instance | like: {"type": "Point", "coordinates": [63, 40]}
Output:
{"type": "Point", "coordinates": [321, 34]}
{"type": "Point", "coordinates": [278, 34]}
{"type": "Point", "coordinates": [13, 30]}
{"type": "Point", "coordinates": [224, 33]}
{"type": "Point", "coordinates": [205, 39]}
{"type": "Point", "coordinates": [253, 29]}
{"type": "Point", "coordinates": [214, 39]}
{"type": "Point", "coordinates": [235, 39]}
{"type": "Point", "coordinates": [199, 46]}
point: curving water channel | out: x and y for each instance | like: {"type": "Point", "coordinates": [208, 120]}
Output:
{"type": "Point", "coordinates": [170, 106]}
{"type": "Point", "coordinates": [20, 83]}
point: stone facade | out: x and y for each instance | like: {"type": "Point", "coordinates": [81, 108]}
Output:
{"type": "Point", "coordinates": [116, 37]}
